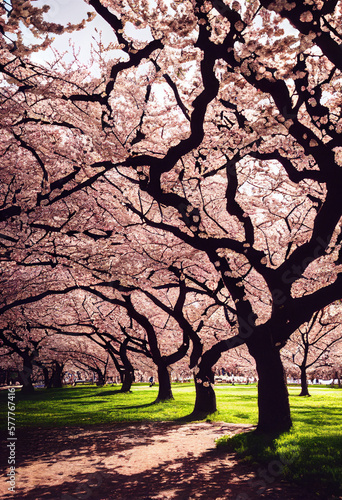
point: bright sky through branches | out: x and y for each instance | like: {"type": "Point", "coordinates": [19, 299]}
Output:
{"type": "Point", "coordinates": [63, 12]}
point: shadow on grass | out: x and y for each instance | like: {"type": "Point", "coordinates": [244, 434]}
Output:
{"type": "Point", "coordinates": [85, 403]}
{"type": "Point", "coordinates": [109, 393]}
{"type": "Point", "coordinates": [56, 394]}
{"type": "Point", "coordinates": [137, 406]}
{"type": "Point", "coordinates": [314, 462]}
{"type": "Point", "coordinates": [196, 416]}
{"type": "Point", "coordinates": [314, 417]}
{"type": "Point", "coordinates": [155, 402]}
{"type": "Point", "coordinates": [250, 445]}
{"type": "Point", "coordinates": [318, 463]}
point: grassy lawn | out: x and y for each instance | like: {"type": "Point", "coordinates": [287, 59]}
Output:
{"type": "Point", "coordinates": [95, 405]}
{"type": "Point", "coordinates": [310, 453]}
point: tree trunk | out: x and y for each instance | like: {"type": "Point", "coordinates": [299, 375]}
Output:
{"type": "Point", "coordinates": [57, 375]}
{"type": "Point", "coordinates": [304, 382]}
{"type": "Point", "coordinates": [164, 379]}
{"type": "Point", "coordinates": [273, 398]}
{"type": "Point", "coordinates": [121, 374]}
{"type": "Point", "coordinates": [127, 378]}
{"type": "Point", "coordinates": [25, 375]}
{"type": "Point", "coordinates": [101, 378]}
{"type": "Point", "coordinates": [47, 380]}
{"type": "Point", "coordinates": [205, 402]}
{"type": "Point", "coordinates": [127, 373]}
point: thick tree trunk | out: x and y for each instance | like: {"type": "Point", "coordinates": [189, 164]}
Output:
{"type": "Point", "coordinates": [122, 375]}
{"type": "Point", "coordinates": [164, 379]}
{"type": "Point", "coordinates": [205, 402]}
{"type": "Point", "coordinates": [25, 376]}
{"type": "Point", "coordinates": [101, 379]}
{"type": "Point", "coordinates": [47, 379]}
{"type": "Point", "coordinates": [273, 398]}
{"type": "Point", "coordinates": [128, 372]}
{"type": "Point", "coordinates": [57, 375]}
{"type": "Point", "coordinates": [304, 382]}
{"type": "Point", "coordinates": [127, 378]}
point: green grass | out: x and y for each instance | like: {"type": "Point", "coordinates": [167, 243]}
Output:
{"type": "Point", "coordinates": [87, 405]}
{"type": "Point", "coordinates": [84, 405]}
{"type": "Point", "coordinates": [309, 454]}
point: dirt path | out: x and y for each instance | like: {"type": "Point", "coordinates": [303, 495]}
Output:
{"type": "Point", "coordinates": [137, 462]}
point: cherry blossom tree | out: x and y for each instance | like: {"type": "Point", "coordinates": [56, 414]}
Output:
{"type": "Point", "coordinates": [84, 355]}
{"type": "Point", "coordinates": [276, 187]}
{"type": "Point", "coordinates": [218, 137]}
{"type": "Point", "coordinates": [308, 348]}
{"type": "Point", "coordinates": [34, 351]}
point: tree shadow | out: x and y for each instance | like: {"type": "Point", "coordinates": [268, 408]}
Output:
{"type": "Point", "coordinates": [213, 475]}
{"type": "Point", "coordinates": [146, 405]}
{"type": "Point", "coordinates": [105, 439]}
{"type": "Point", "coordinates": [250, 443]}
{"type": "Point", "coordinates": [85, 403]}
{"type": "Point", "coordinates": [108, 393]}
{"type": "Point", "coordinates": [196, 416]}
{"type": "Point", "coordinates": [209, 476]}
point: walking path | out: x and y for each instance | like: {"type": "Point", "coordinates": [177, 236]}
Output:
{"type": "Point", "coordinates": [150, 461]}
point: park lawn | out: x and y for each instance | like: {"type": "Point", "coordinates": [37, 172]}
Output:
{"type": "Point", "coordinates": [309, 454]}
{"type": "Point", "coordinates": [91, 405]}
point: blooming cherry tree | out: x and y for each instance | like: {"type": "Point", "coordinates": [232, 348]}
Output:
{"type": "Point", "coordinates": [213, 146]}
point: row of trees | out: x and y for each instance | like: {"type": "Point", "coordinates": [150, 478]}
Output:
{"type": "Point", "coordinates": [44, 353]}
{"type": "Point", "coordinates": [186, 199]}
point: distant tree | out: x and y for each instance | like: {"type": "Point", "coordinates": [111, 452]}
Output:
{"type": "Point", "coordinates": [85, 356]}
{"type": "Point", "coordinates": [18, 341]}
{"type": "Point", "coordinates": [33, 350]}
{"type": "Point", "coordinates": [308, 347]}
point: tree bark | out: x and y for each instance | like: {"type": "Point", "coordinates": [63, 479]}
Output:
{"type": "Point", "coordinates": [127, 378]}
{"type": "Point", "coordinates": [101, 378]}
{"type": "Point", "coordinates": [273, 398]}
{"type": "Point", "coordinates": [164, 379]}
{"type": "Point", "coordinates": [304, 382]}
{"type": "Point", "coordinates": [205, 402]}
{"type": "Point", "coordinates": [25, 375]}
{"type": "Point", "coordinates": [47, 379]}
{"type": "Point", "coordinates": [127, 374]}
{"type": "Point", "coordinates": [57, 374]}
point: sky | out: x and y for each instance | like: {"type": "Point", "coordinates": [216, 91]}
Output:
{"type": "Point", "coordinates": [64, 11]}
